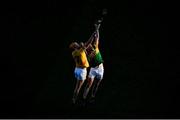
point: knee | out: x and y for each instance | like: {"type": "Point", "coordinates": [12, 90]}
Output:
{"type": "Point", "coordinates": [98, 82]}
{"type": "Point", "coordinates": [89, 81]}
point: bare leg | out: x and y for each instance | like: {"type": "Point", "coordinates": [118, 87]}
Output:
{"type": "Point", "coordinates": [95, 87]}
{"type": "Point", "coordinates": [79, 84]}
{"type": "Point", "coordinates": [87, 88]}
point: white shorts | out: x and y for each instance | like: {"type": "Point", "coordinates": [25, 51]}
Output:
{"type": "Point", "coordinates": [97, 72]}
{"type": "Point", "coordinates": [80, 73]}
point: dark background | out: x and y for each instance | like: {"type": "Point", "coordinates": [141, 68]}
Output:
{"type": "Point", "coordinates": [37, 68]}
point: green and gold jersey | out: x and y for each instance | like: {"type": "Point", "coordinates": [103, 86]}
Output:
{"type": "Point", "coordinates": [95, 57]}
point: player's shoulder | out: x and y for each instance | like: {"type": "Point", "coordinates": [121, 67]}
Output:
{"type": "Point", "coordinates": [81, 49]}
{"type": "Point", "coordinates": [77, 51]}
{"type": "Point", "coordinates": [74, 52]}
{"type": "Point", "coordinates": [96, 46]}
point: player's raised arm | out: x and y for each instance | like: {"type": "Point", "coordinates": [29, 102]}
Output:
{"type": "Point", "coordinates": [90, 40]}
{"type": "Point", "coordinates": [96, 42]}
{"type": "Point", "coordinates": [93, 36]}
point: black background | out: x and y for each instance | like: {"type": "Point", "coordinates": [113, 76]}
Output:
{"type": "Point", "coordinates": [37, 67]}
